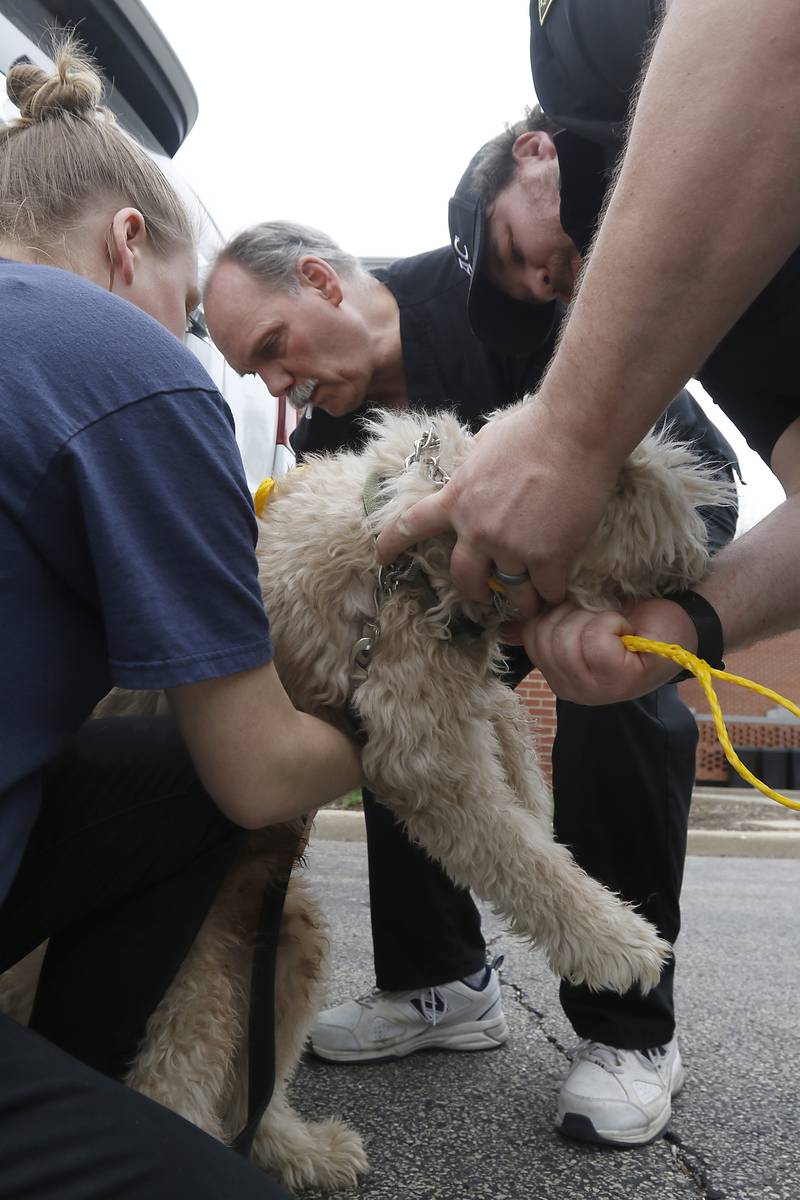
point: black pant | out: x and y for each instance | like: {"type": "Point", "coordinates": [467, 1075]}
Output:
{"type": "Point", "coordinates": [628, 772]}
{"type": "Point", "coordinates": [124, 861]}
{"type": "Point", "coordinates": [622, 784]}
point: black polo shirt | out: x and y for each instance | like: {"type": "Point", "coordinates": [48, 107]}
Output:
{"type": "Point", "coordinates": [446, 367]}
{"type": "Point", "coordinates": [586, 58]}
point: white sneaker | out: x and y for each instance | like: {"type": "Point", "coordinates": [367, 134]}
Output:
{"type": "Point", "coordinates": [451, 1016]}
{"type": "Point", "coordinates": [619, 1097]}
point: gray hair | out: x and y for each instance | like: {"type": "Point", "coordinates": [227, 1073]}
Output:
{"type": "Point", "coordinates": [497, 166]}
{"type": "Point", "coordinates": [271, 251]}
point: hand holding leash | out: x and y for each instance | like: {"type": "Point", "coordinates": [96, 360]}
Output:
{"type": "Point", "coordinates": [582, 657]}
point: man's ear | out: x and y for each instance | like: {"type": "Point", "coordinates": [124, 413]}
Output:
{"type": "Point", "coordinates": [318, 274]}
{"type": "Point", "coordinates": [534, 144]}
{"type": "Point", "coordinates": [125, 241]}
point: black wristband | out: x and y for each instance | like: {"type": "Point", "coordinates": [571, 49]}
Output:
{"type": "Point", "coordinates": [704, 617]}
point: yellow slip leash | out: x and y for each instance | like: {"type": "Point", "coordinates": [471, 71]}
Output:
{"type": "Point", "coordinates": [701, 669]}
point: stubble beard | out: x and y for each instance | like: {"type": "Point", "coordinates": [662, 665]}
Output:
{"type": "Point", "coordinates": [564, 265]}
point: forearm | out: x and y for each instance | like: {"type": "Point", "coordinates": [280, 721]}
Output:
{"type": "Point", "coordinates": [263, 784]}
{"type": "Point", "coordinates": [754, 584]}
{"type": "Point", "coordinates": [260, 759]}
{"type": "Point", "coordinates": [327, 764]}
{"type": "Point", "coordinates": [704, 213]}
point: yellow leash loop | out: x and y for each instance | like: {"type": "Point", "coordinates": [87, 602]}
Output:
{"type": "Point", "coordinates": [701, 669]}
{"type": "Point", "coordinates": [263, 494]}
{"type": "Point", "coordinates": [266, 490]}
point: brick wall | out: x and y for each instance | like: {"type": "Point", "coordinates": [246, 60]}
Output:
{"type": "Point", "coordinates": [541, 703]}
{"type": "Point", "coordinates": [775, 663]}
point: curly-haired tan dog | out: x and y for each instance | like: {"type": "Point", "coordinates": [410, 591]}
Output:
{"type": "Point", "coordinates": [448, 748]}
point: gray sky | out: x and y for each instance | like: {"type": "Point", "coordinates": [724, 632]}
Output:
{"type": "Point", "coordinates": [359, 117]}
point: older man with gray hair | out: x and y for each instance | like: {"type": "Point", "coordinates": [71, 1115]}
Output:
{"type": "Point", "coordinates": [327, 336]}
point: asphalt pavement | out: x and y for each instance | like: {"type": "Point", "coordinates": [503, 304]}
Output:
{"type": "Point", "coordinates": [448, 1126]}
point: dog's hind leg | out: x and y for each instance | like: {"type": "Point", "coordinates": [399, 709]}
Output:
{"type": "Point", "coordinates": [322, 1154]}
{"type": "Point", "coordinates": [445, 780]}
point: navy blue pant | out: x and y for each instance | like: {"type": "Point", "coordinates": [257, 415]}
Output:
{"type": "Point", "coordinates": [124, 861]}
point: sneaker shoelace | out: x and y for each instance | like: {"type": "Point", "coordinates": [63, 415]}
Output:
{"type": "Point", "coordinates": [369, 999]}
{"type": "Point", "coordinates": [610, 1058]}
{"type": "Point", "coordinates": [607, 1057]}
{"type": "Point", "coordinates": [429, 1011]}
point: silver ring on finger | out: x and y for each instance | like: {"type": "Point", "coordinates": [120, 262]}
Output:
{"type": "Point", "coordinates": [510, 579]}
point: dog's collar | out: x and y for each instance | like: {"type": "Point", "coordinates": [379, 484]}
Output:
{"type": "Point", "coordinates": [406, 570]}
{"type": "Point", "coordinates": [373, 497]}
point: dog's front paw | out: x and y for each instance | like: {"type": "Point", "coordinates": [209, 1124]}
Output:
{"type": "Point", "coordinates": [625, 952]}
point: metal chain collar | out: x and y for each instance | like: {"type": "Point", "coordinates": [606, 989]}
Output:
{"type": "Point", "coordinates": [426, 455]}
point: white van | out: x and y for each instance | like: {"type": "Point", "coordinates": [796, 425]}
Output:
{"type": "Point", "coordinates": [153, 99]}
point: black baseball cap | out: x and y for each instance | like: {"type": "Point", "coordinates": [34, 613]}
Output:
{"type": "Point", "coordinates": [508, 325]}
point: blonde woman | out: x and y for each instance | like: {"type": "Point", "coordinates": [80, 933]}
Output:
{"type": "Point", "coordinates": [126, 557]}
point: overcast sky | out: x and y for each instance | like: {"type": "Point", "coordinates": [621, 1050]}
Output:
{"type": "Point", "coordinates": [358, 116]}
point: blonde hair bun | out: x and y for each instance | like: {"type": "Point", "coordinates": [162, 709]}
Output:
{"type": "Point", "coordinates": [75, 88]}
{"type": "Point", "coordinates": [65, 154]}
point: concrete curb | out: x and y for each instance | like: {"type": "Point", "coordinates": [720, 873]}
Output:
{"type": "Point", "coordinates": [730, 843]}
{"type": "Point", "coordinates": [337, 825]}
{"type": "Point", "coordinates": [743, 793]}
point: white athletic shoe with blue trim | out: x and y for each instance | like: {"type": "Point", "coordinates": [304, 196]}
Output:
{"type": "Point", "coordinates": [450, 1016]}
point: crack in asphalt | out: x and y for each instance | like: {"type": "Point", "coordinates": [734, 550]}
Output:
{"type": "Point", "coordinates": [523, 1001]}
{"type": "Point", "coordinates": [687, 1160]}
{"type": "Point", "coordinates": [694, 1166]}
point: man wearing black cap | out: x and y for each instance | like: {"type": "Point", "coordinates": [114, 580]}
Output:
{"type": "Point", "coordinates": [625, 818]}
{"type": "Point", "coordinates": [703, 221]}
{"type": "Point", "coordinates": [507, 239]}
